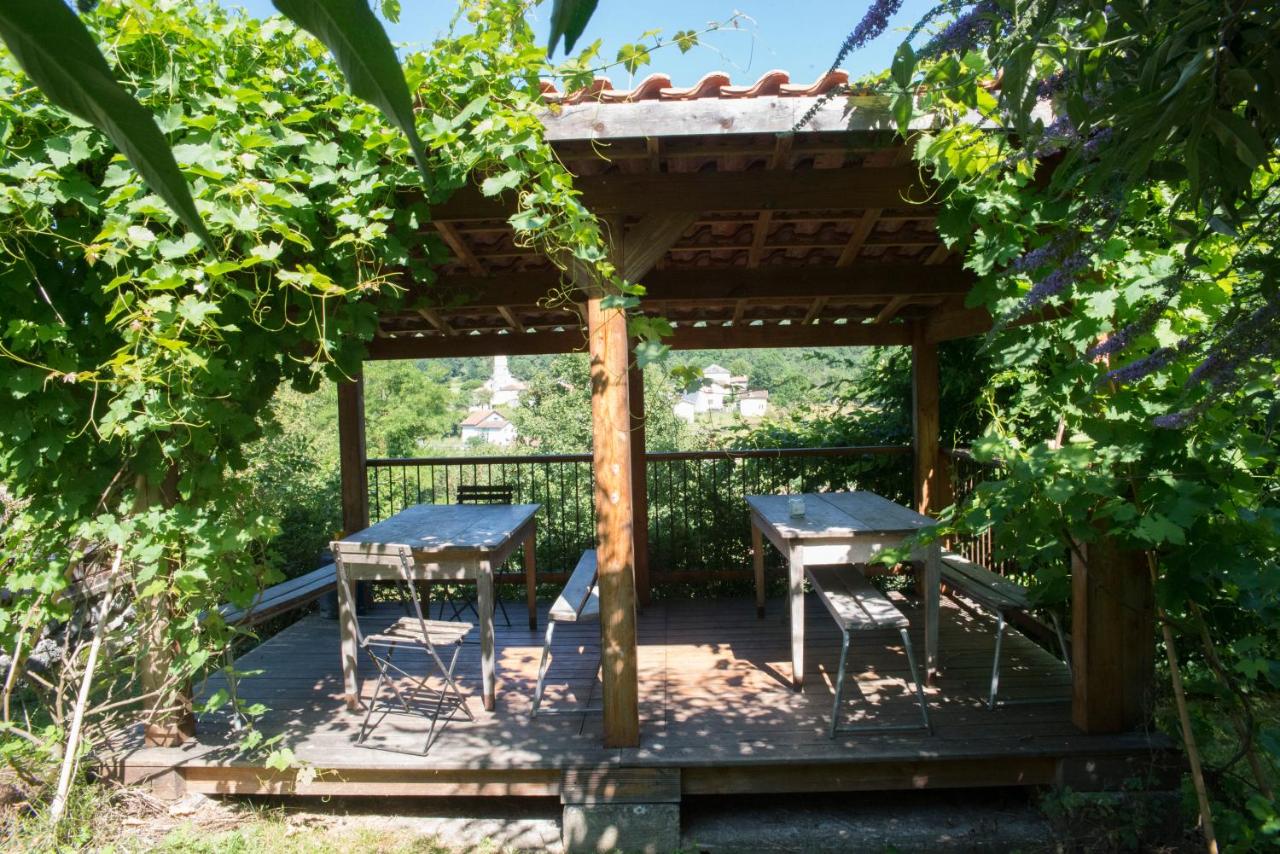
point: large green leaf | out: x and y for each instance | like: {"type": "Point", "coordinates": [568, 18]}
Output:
{"type": "Point", "coordinates": [56, 51]}
{"type": "Point", "coordinates": [359, 44]}
{"type": "Point", "coordinates": [569, 18]}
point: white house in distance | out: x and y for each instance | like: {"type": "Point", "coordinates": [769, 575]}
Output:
{"type": "Point", "coordinates": [753, 404]}
{"type": "Point", "coordinates": [486, 425]}
{"type": "Point", "coordinates": [719, 390]}
{"type": "Point", "coordinates": [504, 389]}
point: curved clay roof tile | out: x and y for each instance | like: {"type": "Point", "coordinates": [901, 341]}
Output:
{"type": "Point", "coordinates": [594, 92]}
{"type": "Point", "coordinates": [708, 87]}
{"type": "Point", "coordinates": [769, 84]}
{"type": "Point", "coordinates": [821, 86]}
{"type": "Point", "coordinates": [646, 90]}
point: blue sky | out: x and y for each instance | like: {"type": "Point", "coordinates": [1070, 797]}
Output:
{"type": "Point", "coordinates": [799, 36]}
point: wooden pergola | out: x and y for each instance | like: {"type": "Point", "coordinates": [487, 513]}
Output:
{"type": "Point", "coordinates": [746, 233]}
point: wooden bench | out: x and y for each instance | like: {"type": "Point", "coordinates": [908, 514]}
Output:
{"type": "Point", "coordinates": [1002, 596]}
{"type": "Point", "coordinates": [283, 597]}
{"type": "Point", "coordinates": [857, 606]}
{"type": "Point", "coordinates": [579, 602]}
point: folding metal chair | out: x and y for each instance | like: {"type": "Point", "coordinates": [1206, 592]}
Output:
{"type": "Point", "coordinates": [396, 561]}
{"type": "Point", "coordinates": [459, 596]}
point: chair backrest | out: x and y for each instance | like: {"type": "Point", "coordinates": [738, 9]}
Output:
{"type": "Point", "coordinates": [388, 562]}
{"type": "Point", "coordinates": [476, 493]}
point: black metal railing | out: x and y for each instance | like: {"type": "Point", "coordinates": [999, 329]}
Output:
{"type": "Point", "coordinates": [698, 519]}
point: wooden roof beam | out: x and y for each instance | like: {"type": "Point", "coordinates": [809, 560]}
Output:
{"type": "Point", "coordinates": [865, 280]}
{"type": "Point", "coordinates": [685, 338]}
{"type": "Point", "coordinates": [698, 192]}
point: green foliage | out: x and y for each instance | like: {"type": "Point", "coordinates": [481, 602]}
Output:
{"type": "Point", "coordinates": [1122, 189]}
{"type": "Point", "coordinates": [140, 366]}
{"type": "Point", "coordinates": [57, 52]}
{"type": "Point", "coordinates": [568, 19]}
{"type": "Point", "coordinates": [362, 50]}
{"type": "Point", "coordinates": [554, 416]}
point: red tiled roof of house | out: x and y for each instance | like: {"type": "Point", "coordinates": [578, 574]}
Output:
{"type": "Point", "coordinates": [717, 84]}
{"type": "Point", "coordinates": [477, 418]}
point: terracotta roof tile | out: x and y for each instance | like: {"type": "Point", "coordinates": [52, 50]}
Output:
{"type": "Point", "coordinates": [717, 84]}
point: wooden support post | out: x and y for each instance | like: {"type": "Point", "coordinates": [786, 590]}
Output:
{"type": "Point", "coordinates": [611, 451]}
{"type": "Point", "coordinates": [924, 421]}
{"type": "Point", "coordinates": [352, 456]}
{"type": "Point", "coordinates": [1112, 638]}
{"type": "Point", "coordinates": [639, 485]}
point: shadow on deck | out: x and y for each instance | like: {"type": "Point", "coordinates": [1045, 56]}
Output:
{"type": "Point", "coordinates": [717, 716]}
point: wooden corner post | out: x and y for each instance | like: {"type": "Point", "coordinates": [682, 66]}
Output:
{"type": "Point", "coordinates": [611, 456]}
{"type": "Point", "coordinates": [639, 485]}
{"type": "Point", "coordinates": [352, 457]}
{"type": "Point", "coordinates": [1112, 638]}
{"type": "Point", "coordinates": [925, 426]}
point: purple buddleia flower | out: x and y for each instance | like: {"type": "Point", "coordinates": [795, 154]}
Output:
{"type": "Point", "coordinates": [963, 33]}
{"type": "Point", "coordinates": [1052, 85]}
{"type": "Point", "coordinates": [1125, 336]}
{"type": "Point", "coordinates": [1251, 340]}
{"type": "Point", "coordinates": [1055, 282]}
{"type": "Point", "coordinates": [1139, 368]}
{"type": "Point", "coordinates": [1038, 257]}
{"type": "Point", "coordinates": [872, 25]}
{"type": "Point", "coordinates": [1174, 420]}
{"type": "Point", "coordinates": [1096, 140]}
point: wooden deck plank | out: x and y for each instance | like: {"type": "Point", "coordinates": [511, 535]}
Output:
{"type": "Point", "coordinates": [715, 698]}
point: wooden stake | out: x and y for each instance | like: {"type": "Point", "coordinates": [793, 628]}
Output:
{"type": "Point", "coordinates": [639, 485]}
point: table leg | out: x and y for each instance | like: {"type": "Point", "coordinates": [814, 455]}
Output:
{"type": "Point", "coordinates": [531, 579]}
{"type": "Point", "coordinates": [350, 642]}
{"type": "Point", "coordinates": [932, 594]}
{"type": "Point", "coordinates": [757, 562]}
{"type": "Point", "coordinates": [795, 585]}
{"type": "Point", "coordinates": [484, 602]}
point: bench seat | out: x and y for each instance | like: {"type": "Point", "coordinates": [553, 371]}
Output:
{"type": "Point", "coordinates": [996, 593]}
{"type": "Point", "coordinates": [854, 602]}
{"type": "Point", "coordinates": [578, 602]}
{"type": "Point", "coordinates": [857, 606]}
{"type": "Point", "coordinates": [580, 599]}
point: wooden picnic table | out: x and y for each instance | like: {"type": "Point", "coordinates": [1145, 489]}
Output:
{"type": "Point", "coordinates": [839, 528]}
{"type": "Point", "coordinates": [450, 542]}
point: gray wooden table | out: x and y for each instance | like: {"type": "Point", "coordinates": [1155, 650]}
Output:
{"type": "Point", "coordinates": [463, 542]}
{"type": "Point", "coordinates": [838, 528]}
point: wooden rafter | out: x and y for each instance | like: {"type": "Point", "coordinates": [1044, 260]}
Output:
{"type": "Point", "coordinates": [459, 248]}
{"type": "Point", "coordinates": [860, 234]}
{"type": "Point", "coordinates": [510, 317]}
{"type": "Point", "coordinates": [937, 256]}
{"type": "Point", "coordinates": [815, 308]}
{"type": "Point", "coordinates": [435, 319]}
{"type": "Point", "coordinates": [653, 150]}
{"type": "Point", "coordinates": [739, 309]}
{"type": "Point", "coordinates": [758, 237]}
{"type": "Point", "coordinates": [891, 309]}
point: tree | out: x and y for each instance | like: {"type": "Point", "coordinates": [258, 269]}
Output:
{"type": "Point", "coordinates": [554, 415]}
{"type": "Point", "coordinates": [141, 361]}
{"type": "Point", "coordinates": [1121, 184]}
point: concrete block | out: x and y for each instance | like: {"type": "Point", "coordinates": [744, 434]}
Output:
{"type": "Point", "coordinates": [647, 828]}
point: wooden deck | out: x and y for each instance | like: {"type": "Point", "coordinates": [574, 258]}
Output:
{"type": "Point", "coordinates": [717, 715]}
